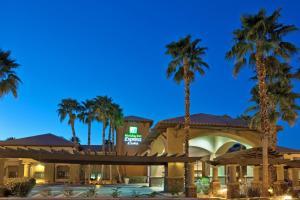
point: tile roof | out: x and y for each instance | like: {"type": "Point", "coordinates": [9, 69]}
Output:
{"type": "Point", "coordinates": [47, 139]}
{"type": "Point", "coordinates": [91, 147]}
{"type": "Point", "coordinates": [286, 150]}
{"type": "Point", "coordinates": [137, 119]}
{"type": "Point", "coordinates": [206, 119]}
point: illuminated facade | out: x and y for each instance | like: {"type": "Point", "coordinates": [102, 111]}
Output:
{"type": "Point", "coordinates": [210, 137]}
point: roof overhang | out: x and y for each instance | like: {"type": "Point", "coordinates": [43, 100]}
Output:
{"type": "Point", "coordinates": [93, 157]}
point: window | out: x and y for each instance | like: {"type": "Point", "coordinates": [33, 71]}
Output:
{"type": "Point", "coordinates": [62, 172]}
{"type": "Point", "coordinates": [12, 171]}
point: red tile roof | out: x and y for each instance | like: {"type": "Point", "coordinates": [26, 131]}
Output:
{"type": "Point", "coordinates": [39, 140]}
{"type": "Point", "coordinates": [286, 150]}
{"type": "Point", "coordinates": [206, 120]}
{"type": "Point", "coordinates": [137, 119]}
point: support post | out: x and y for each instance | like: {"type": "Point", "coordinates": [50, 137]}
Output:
{"type": "Point", "coordinates": [256, 183]}
{"type": "Point", "coordinates": [295, 177]}
{"type": "Point", "coordinates": [215, 184]}
{"type": "Point", "coordinates": [2, 172]}
{"type": "Point", "coordinates": [166, 178]}
{"type": "Point", "coordinates": [191, 187]}
{"type": "Point", "coordinates": [233, 184]}
{"type": "Point", "coordinates": [279, 183]}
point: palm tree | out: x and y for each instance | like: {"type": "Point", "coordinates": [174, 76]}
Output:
{"type": "Point", "coordinates": [87, 116]}
{"type": "Point", "coordinates": [186, 62]}
{"type": "Point", "coordinates": [260, 36]}
{"type": "Point", "coordinates": [102, 108]}
{"type": "Point", "coordinates": [282, 100]}
{"type": "Point", "coordinates": [116, 120]}
{"type": "Point", "coordinates": [69, 108]}
{"type": "Point", "coordinates": [9, 81]}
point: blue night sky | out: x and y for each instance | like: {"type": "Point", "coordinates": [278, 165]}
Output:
{"type": "Point", "coordinates": [81, 49]}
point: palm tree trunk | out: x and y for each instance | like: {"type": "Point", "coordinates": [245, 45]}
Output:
{"type": "Point", "coordinates": [73, 133]}
{"type": "Point", "coordinates": [113, 138]}
{"type": "Point", "coordinates": [186, 125]}
{"type": "Point", "coordinates": [103, 135]}
{"type": "Point", "coordinates": [103, 146]}
{"type": "Point", "coordinates": [265, 125]}
{"type": "Point", "coordinates": [109, 136]}
{"type": "Point", "coordinates": [89, 133]}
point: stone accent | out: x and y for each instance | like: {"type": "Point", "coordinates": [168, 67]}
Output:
{"type": "Point", "coordinates": [280, 188]}
{"type": "Point", "coordinates": [233, 190]}
{"type": "Point", "coordinates": [191, 191]}
{"type": "Point", "coordinates": [215, 187]}
{"type": "Point", "coordinates": [256, 184]}
{"type": "Point", "coordinates": [175, 184]}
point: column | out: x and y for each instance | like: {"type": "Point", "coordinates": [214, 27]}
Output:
{"type": "Point", "coordinates": [20, 169]}
{"type": "Point", "coordinates": [203, 168]}
{"type": "Point", "coordinates": [278, 185]}
{"type": "Point", "coordinates": [233, 184]}
{"type": "Point", "coordinates": [215, 184]}
{"type": "Point", "coordinates": [49, 173]}
{"type": "Point", "coordinates": [256, 183]}
{"type": "Point", "coordinates": [2, 172]}
{"type": "Point", "coordinates": [190, 189]}
{"type": "Point", "coordinates": [26, 170]}
{"type": "Point", "coordinates": [295, 177]}
{"type": "Point", "coordinates": [166, 178]}
{"type": "Point", "coordinates": [232, 173]}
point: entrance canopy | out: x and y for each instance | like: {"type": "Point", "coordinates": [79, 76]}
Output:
{"type": "Point", "coordinates": [92, 157]}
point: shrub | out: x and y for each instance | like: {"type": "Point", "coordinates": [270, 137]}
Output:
{"type": "Point", "coordinates": [253, 192]}
{"type": "Point", "coordinates": [153, 194]}
{"type": "Point", "coordinates": [116, 192]}
{"type": "Point", "coordinates": [203, 185]}
{"type": "Point", "coordinates": [68, 192]}
{"type": "Point", "coordinates": [46, 192]}
{"type": "Point", "coordinates": [19, 186]}
{"type": "Point", "coordinates": [91, 192]}
{"type": "Point", "coordinates": [3, 191]}
{"type": "Point", "coordinates": [135, 194]}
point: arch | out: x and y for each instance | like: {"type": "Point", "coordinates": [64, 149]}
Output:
{"type": "Point", "coordinates": [158, 145]}
{"type": "Point", "coordinates": [214, 144]}
{"type": "Point", "coordinates": [250, 138]}
{"type": "Point", "coordinates": [198, 151]}
{"type": "Point", "coordinates": [226, 147]}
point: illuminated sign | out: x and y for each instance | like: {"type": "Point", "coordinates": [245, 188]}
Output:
{"type": "Point", "coordinates": [133, 137]}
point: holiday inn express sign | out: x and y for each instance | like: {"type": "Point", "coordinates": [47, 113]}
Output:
{"type": "Point", "coordinates": [133, 137]}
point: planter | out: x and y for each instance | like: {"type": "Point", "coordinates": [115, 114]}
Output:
{"type": "Point", "coordinates": [126, 181]}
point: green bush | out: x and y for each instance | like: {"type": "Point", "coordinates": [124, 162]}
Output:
{"type": "Point", "coordinates": [91, 192]}
{"type": "Point", "coordinates": [135, 194]}
{"type": "Point", "coordinates": [116, 192]}
{"type": "Point", "coordinates": [19, 186]}
{"type": "Point", "coordinates": [68, 192]}
{"type": "Point", "coordinates": [46, 192]}
{"type": "Point", "coordinates": [203, 185]}
{"type": "Point", "coordinates": [153, 194]}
